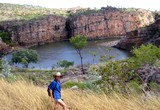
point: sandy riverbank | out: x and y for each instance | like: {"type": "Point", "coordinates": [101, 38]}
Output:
{"type": "Point", "coordinates": [109, 44]}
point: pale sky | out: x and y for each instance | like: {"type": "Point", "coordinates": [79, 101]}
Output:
{"type": "Point", "coordinates": [146, 4]}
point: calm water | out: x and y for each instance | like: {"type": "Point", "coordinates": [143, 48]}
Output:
{"type": "Point", "coordinates": [50, 54]}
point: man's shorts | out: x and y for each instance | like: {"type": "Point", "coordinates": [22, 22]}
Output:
{"type": "Point", "coordinates": [58, 100]}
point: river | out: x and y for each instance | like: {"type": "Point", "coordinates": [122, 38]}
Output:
{"type": "Point", "coordinates": [50, 54]}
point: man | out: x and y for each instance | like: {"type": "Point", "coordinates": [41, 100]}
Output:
{"type": "Point", "coordinates": [55, 92]}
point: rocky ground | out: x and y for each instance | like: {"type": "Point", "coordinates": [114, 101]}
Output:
{"type": "Point", "coordinates": [109, 44]}
{"type": "Point", "coordinates": [149, 74]}
{"type": "Point", "coordinates": [145, 35]}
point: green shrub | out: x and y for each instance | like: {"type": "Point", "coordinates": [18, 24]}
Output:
{"type": "Point", "coordinates": [5, 36]}
{"type": "Point", "coordinates": [148, 54]}
{"type": "Point", "coordinates": [6, 68]}
{"type": "Point", "coordinates": [116, 75]}
{"type": "Point", "coordinates": [71, 84]}
{"type": "Point", "coordinates": [64, 63]}
{"type": "Point", "coordinates": [6, 71]}
{"type": "Point", "coordinates": [84, 85]}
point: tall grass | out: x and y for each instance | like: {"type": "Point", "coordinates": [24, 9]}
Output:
{"type": "Point", "coordinates": [21, 95]}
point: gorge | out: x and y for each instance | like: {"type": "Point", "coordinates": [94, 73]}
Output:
{"type": "Point", "coordinates": [105, 23]}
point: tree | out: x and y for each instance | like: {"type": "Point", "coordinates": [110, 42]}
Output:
{"type": "Point", "coordinates": [25, 56]}
{"type": "Point", "coordinates": [64, 63]}
{"type": "Point", "coordinates": [79, 42]}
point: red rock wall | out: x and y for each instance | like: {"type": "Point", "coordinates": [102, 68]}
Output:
{"type": "Point", "coordinates": [109, 23]}
{"type": "Point", "coordinates": [146, 35]}
{"type": "Point", "coordinates": [49, 29]}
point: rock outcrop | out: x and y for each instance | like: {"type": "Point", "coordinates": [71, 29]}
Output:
{"type": "Point", "coordinates": [47, 29]}
{"type": "Point", "coordinates": [149, 74]}
{"type": "Point", "coordinates": [109, 23]}
{"type": "Point", "coordinates": [146, 35]}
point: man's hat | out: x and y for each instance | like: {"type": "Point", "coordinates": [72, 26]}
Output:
{"type": "Point", "coordinates": [57, 74]}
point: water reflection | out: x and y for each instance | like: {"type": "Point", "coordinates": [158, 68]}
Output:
{"type": "Point", "coordinates": [50, 54]}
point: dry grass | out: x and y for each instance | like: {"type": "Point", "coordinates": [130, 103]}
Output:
{"type": "Point", "coordinates": [25, 96]}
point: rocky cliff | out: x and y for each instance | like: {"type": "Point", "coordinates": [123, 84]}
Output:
{"type": "Point", "coordinates": [109, 23]}
{"type": "Point", "coordinates": [145, 35]}
{"type": "Point", "coordinates": [47, 29]}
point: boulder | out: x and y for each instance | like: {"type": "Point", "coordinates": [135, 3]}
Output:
{"type": "Point", "coordinates": [74, 88]}
{"type": "Point", "coordinates": [149, 74]}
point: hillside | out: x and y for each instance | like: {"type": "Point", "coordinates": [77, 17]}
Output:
{"type": "Point", "coordinates": [26, 12]}
{"type": "Point", "coordinates": [25, 96]}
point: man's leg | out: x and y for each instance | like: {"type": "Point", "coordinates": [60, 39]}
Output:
{"type": "Point", "coordinates": [61, 103]}
{"type": "Point", "coordinates": [56, 106]}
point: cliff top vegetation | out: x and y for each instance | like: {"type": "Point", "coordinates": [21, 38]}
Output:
{"type": "Point", "coordinates": [9, 12]}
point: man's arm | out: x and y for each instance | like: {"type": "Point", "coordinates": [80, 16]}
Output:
{"type": "Point", "coordinates": [51, 93]}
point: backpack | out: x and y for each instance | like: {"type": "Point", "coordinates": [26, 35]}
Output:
{"type": "Point", "coordinates": [49, 91]}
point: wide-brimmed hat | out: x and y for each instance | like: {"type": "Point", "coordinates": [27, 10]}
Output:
{"type": "Point", "coordinates": [57, 74]}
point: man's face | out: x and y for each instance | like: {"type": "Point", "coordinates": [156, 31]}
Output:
{"type": "Point", "coordinates": [58, 77]}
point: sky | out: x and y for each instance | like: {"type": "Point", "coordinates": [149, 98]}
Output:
{"type": "Point", "coordinates": [146, 4]}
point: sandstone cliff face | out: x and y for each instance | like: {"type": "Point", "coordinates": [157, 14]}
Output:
{"type": "Point", "coordinates": [109, 23]}
{"type": "Point", "coordinates": [47, 29]}
{"type": "Point", "coordinates": [146, 35]}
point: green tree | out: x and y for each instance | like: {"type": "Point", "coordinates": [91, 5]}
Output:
{"type": "Point", "coordinates": [25, 56]}
{"type": "Point", "coordinates": [79, 42]}
{"type": "Point", "coordinates": [64, 63]}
